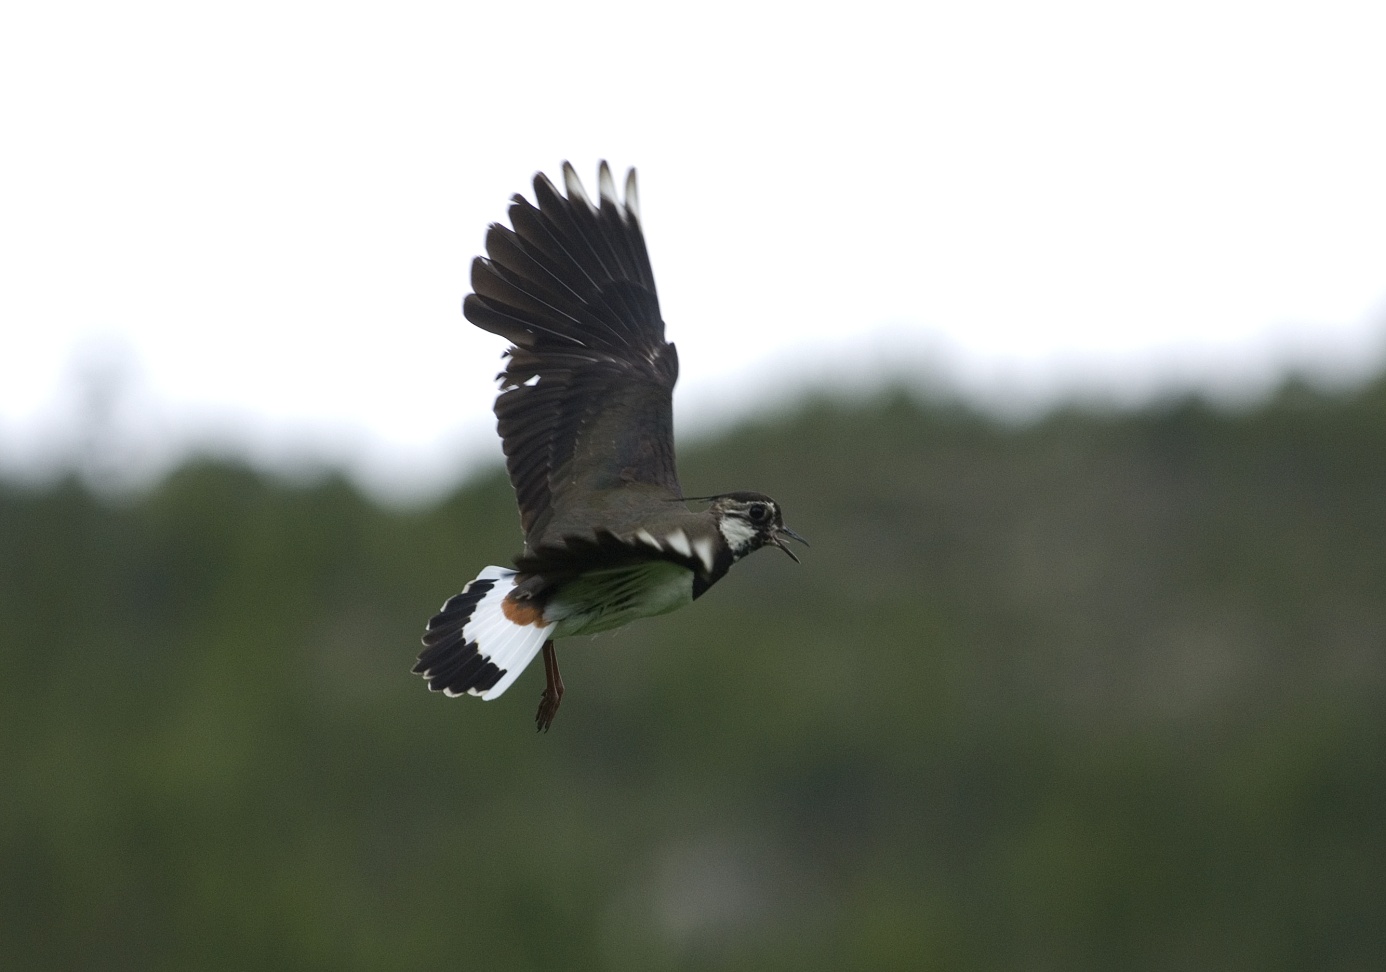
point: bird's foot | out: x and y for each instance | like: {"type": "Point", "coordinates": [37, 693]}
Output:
{"type": "Point", "coordinates": [553, 690]}
{"type": "Point", "coordinates": [548, 708]}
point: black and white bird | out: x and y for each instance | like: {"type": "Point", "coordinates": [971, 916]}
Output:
{"type": "Point", "coordinates": [585, 415]}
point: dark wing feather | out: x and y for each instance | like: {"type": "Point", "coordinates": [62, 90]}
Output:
{"type": "Point", "coordinates": [586, 403]}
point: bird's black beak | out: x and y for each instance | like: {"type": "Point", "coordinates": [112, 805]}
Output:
{"type": "Point", "coordinates": [778, 540]}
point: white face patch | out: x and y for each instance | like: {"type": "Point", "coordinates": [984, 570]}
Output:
{"type": "Point", "coordinates": [738, 533]}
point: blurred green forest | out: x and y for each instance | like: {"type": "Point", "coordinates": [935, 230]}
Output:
{"type": "Point", "coordinates": [1100, 690]}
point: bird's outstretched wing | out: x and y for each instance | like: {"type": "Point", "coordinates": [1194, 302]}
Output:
{"type": "Point", "coordinates": [586, 405]}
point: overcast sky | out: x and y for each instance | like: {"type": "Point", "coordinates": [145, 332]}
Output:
{"type": "Point", "coordinates": [251, 223]}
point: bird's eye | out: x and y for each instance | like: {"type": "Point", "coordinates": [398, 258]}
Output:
{"type": "Point", "coordinates": [757, 512]}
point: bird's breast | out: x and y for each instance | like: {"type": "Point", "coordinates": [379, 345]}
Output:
{"type": "Point", "coordinates": [599, 600]}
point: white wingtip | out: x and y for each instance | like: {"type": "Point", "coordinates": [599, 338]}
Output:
{"type": "Point", "coordinates": [573, 184]}
{"type": "Point", "coordinates": [632, 195]}
{"type": "Point", "coordinates": [606, 185]}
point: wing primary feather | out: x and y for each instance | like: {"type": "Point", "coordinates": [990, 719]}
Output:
{"type": "Point", "coordinates": [519, 331]}
{"type": "Point", "coordinates": [525, 298]}
{"type": "Point", "coordinates": [560, 214]}
{"type": "Point", "coordinates": [613, 298]}
{"type": "Point", "coordinates": [534, 229]}
{"type": "Point", "coordinates": [574, 185]}
{"type": "Point", "coordinates": [605, 184]}
{"type": "Point", "coordinates": [617, 227]}
{"type": "Point", "coordinates": [517, 294]}
{"type": "Point", "coordinates": [628, 245]}
{"type": "Point", "coordinates": [632, 194]}
{"type": "Point", "coordinates": [554, 244]}
{"type": "Point", "coordinates": [633, 210]}
{"type": "Point", "coordinates": [509, 251]}
{"type": "Point", "coordinates": [583, 224]}
{"type": "Point", "coordinates": [586, 218]}
{"type": "Point", "coordinates": [618, 234]}
{"type": "Point", "coordinates": [558, 221]}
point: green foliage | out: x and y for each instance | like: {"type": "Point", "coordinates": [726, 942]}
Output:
{"type": "Point", "coordinates": [1104, 691]}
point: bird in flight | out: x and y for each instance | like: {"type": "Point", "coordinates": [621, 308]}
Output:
{"type": "Point", "coordinates": [585, 415]}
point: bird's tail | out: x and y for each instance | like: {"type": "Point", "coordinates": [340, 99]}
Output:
{"type": "Point", "coordinates": [479, 642]}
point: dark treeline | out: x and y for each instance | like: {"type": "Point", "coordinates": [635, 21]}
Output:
{"type": "Point", "coordinates": [1103, 691]}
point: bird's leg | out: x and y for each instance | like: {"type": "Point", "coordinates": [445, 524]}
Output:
{"type": "Point", "coordinates": [553, 689]}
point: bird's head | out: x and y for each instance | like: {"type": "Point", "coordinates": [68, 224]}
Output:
{"type": "Point", "coordinates": [749, 521]}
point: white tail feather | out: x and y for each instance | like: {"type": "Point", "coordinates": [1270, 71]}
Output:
{"type": "Point", "coordinates": [510, 646]}
{"type": "Point", "coordinates": [502, 642]}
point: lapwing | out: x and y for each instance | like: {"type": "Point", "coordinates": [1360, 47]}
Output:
{"type": "Point", "coordinates": [585, 415]}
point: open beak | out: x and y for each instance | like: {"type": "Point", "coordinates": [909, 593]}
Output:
{"type": "Point", "coordinates": [779, 537]}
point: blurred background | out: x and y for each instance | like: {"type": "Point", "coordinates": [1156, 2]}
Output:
{"type": "Point", "coordinates": [1058, 331]}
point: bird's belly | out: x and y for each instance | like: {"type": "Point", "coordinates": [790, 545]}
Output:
{"type": "Point", "coordinates": [606, 599]}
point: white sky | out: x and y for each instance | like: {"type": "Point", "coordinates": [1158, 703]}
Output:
{"type": "Point", "coordinates": [256, 219]}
